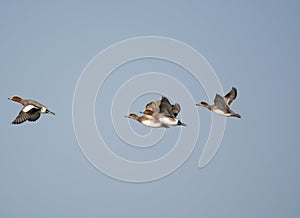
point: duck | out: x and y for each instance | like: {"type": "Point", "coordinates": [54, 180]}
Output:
{"type": "Point", "coordinates": [221, 104]}
{"type": "Point", "coordinates": [164, 111]}
{"type": "Point", "coordinates": [159, 113]}
{"type": "Point", "coordinates": [147, 120]}
{"type": "Point", "coordinates": [31, 110]}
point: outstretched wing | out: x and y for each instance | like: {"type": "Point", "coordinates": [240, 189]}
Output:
{"type": "Point", "coordinates": [31, 115]}
{"type": "Point", "coordinates": [220, 102]}
{"type": "Point", "coordinates": [230, 96]}
{"type": "Point", "coordinates": [22, 117]}
{"type": "Point", "coordinates": [165, 107]}
{"type": "Point", "coordinates": [153, 106]}
{"type": "Point", "coordinates": [176, 109]}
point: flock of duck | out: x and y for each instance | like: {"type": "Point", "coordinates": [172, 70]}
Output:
{"type": "Point", "coordinates": [158, 113]}
{"type": "Point", "coordinates": [161, 113]}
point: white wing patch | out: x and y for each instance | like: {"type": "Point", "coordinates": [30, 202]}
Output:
{"type": "Point", "coordinates": [28, 108]}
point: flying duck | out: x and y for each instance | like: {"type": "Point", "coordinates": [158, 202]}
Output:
{"type": "Point", "coordinates": [222, 104]}
{"type": "Point", "coordinates": [31, 111]}
{"type": "Point", "coordinates": [159, 113]}
{"type": "Point", "coordinates": [164, 111]}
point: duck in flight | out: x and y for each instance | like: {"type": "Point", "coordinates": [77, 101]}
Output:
{"type": "Point", "coordinates": [159, 113]}
{"type": "Point", "coordinates": [163, 106]}
{"type": "Point", "coordinates": [164, 111]}
{"type": "Point", "coordinates": [221, 104]}
{"type": "Point", "coordinates": [31, 111]}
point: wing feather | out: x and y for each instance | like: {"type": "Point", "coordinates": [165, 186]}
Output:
{"type": "Point", "coordinates": [230, 96]}
{"type": "Point", "coordinates": [220, 102]}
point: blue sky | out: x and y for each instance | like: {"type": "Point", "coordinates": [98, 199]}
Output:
{"type": "Point", "coordinates": [251, 45]}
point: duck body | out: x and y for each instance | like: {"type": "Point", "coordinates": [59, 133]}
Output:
{"type": "Point", "coordinates": [31, 111]}
{"type": "Point", "coordinates": [221, 104]}
{"type": "Point", "coordinates": [167, 120]}
{"type": "Point", "coordinates": [147, 121]}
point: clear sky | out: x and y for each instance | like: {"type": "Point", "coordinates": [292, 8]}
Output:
{"type": "Point", "coordinates": [252, 45]}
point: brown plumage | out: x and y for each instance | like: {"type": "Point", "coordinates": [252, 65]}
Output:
{"type": "Point", "coordinates": [31, 111]}
{"type": "Point", "coordinates": [222, 104]}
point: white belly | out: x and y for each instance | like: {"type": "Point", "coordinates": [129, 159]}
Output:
{"type": "Point", "coordinates": [220, 112]}
{"type": "Point", "coordinates": [168, 121]}
{"type": "Point", "coordinates": [152, 123]}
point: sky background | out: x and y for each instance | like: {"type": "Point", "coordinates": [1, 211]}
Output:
{"type": "Point", "coordinates": [252, 45]}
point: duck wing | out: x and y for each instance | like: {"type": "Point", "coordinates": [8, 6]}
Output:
{"type": "Point", "coordinates": [165, 107]}
{"type": "Point", "coordinates": [153, 106]}
{"type": "Point", "coordinates": [230, 96]}
{"type": "Point", "coordinates": [34, 116]}
{"type": "Point", "coordinates": [31, 115]}
{"type": "Point", "coordinates": [22, 117]}
{"type": "Point", "coordinates": [176, 109]}
{"type": "Point", "coordinates": [220, 103]}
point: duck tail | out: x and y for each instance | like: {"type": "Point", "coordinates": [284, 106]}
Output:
{"type": "Point", "coordinates": [181, 123]}
{"type": "Point", "coordinates": [236, 115]}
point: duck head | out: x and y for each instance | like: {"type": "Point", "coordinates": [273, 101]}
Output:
{"type": "Point", "coordinates": [203, 104]}
{"type": "Point", "coordinates": [132, 116]}
{"type": "Point", "coordinates": [15, 98]}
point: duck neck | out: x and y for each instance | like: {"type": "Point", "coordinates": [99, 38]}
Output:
{"type": "Point", "coordinates": [204, 104]}
{"type": "Point", "coordinates": [135, 117]}
{"type": "Point", "coordinates": [140, 119]}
